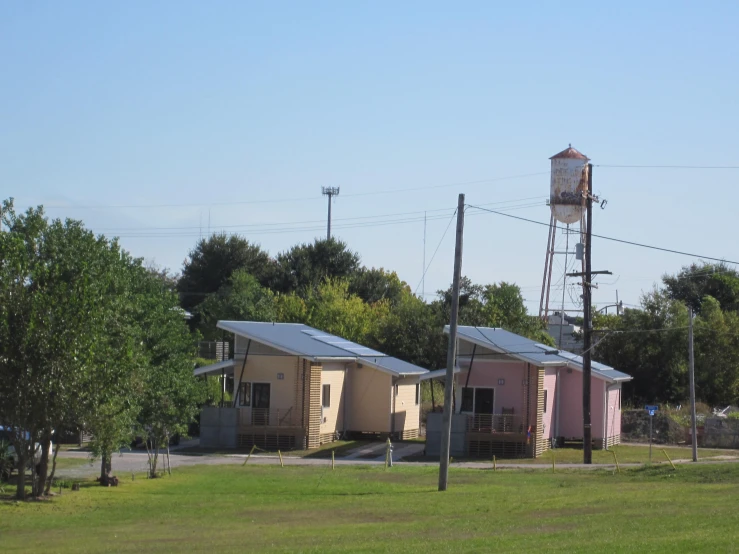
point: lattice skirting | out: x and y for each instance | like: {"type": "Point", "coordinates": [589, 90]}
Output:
{"type": "Point", "coordinates": [488, 448]}
{"type": "Point", "coordinates": [269, 441]}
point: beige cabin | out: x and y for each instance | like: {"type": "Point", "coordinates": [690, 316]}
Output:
{"type": "Point", "coordinates": [298, 387]}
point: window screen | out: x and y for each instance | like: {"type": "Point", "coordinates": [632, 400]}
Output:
{"type": "Point", "coordinates": [468, 396]}
{"type": "Point", "coordinates": [245, 394]}
{"type": "Point", "coordinates": [326, 400]}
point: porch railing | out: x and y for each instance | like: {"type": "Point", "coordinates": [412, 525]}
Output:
{"type": "Point", "coordinates": [495, 423]}
{"type": "Point", "coordinates": [261, 417]}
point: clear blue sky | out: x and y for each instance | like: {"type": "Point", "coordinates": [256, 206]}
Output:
{"type": "Point", "coordinates": [194, 109]}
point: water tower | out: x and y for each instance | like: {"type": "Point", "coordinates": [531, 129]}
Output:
{"type": "Point", "coordinates": [568, 183]}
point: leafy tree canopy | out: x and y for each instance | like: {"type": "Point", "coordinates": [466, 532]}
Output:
{"type": "Point", "coordinates": [214, 260]}
{"type": "Point", "coordinates": [694, 282]}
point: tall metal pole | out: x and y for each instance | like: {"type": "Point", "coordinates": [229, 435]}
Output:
{"type": "Point", "coordinates": [691, 354]}
{"type": "Point", "coordinates": [587, 436]}
{"type": "Point", "coordinates": [330, 192]}
{"type": "Point", "coordinates": [423, 274]}
{"type": "Point", "coordinates": [328, 231]}
{"type": "Point", "coordinates": [451, 355]}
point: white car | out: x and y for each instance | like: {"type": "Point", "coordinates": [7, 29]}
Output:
{"type": "Point", "coordinates": [10, 449]}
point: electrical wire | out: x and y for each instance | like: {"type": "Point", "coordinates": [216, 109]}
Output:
{"type": "Point", "coordinates": [669, 166]}
{"type": "Point", "coordinates": [303, 199]}
{"type": "Point", "coordinates": [321, 227]}
{"type": "Point", "coordinates": [632, 243]}
{"type": "Point", "coordinates": [435, 251]}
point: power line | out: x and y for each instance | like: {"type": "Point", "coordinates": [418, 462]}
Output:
{"type": "Point", "coordinates": [435, 251]}
{"type": "Point", "coordinates": [309, 221]}
{"type": "Point", "coordinates": [258, 231]}
{"type": "Point", "coordinates": [303, 199]}
{"type": "Point", "coordinates": [632, 243]}
{"type": "Point", "coordinates": [670, 166]}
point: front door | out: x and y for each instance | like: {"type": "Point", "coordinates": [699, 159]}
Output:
{"type": "Point", "coordinates": [260, 403]}
{"type": "Point", "coordinates": [483, 401]}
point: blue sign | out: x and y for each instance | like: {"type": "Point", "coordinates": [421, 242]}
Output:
{"type": "Point", "coordinates": [651, 409]}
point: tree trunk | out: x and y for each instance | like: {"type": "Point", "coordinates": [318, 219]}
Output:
{"type": "Point", "coordinates": [50, 480]}
{"type": "Point", "coordinates": [169, 465]}
{"type": "Point", "coordinates": [43, 465]}
{"type": "Point", "coordinates": [106, 466]}
{"type": "Point", "coordinates": [153, 453]}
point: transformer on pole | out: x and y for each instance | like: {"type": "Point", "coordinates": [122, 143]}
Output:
{"type": "Point", "coordinates": [330, 192]}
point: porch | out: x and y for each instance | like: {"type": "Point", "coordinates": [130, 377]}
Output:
{"type": "Point", "coordinates": [270, 429]}
{"type": "Point", "coordinates": [483, 435]}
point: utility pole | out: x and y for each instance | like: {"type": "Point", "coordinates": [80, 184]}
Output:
{"type": "Point", "coordinates": [451, 355]}
{"type": "Point", "coordinates": [691, 354]}
{"type": "Point", "coordinates": [587, 434]}
{"type": "Point", "coordinates": [587, 289]}
{"type": "Point", "coordinates": [330, 192]}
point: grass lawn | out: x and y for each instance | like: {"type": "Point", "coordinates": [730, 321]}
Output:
{"type": "Point", "coordinates": [629, 454]}
{"type": "Point", "coordinates": [370, 509]}
{"type": "Point", "coordinates": [626, 454]}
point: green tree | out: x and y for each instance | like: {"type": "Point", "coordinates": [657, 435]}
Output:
{"type": "Point", "coordinates": [650, 344]}
{"type": "Point", "coordinates": [214, 260]}
{"type": "Point", "coordinates": [170, 393]}
{"type": "Point", "coordinates": [504, 307]}
{"type": "Point", "coordinates": [412, 331]}
{"type": "Point", "coordinates": [305, 267]}
{"type": "Point", "coordinates": [373, 285]}
{"type": "Point", "coordinates": [694, 282]}
{"type": "Point", "coordinates": [242, 298]}
{"type": "Point", "coordinates": [716, 340]}
{"type": "Point", "coordinates": [54, 289]}
{"type": "Point", "coordinates": [333, 309]}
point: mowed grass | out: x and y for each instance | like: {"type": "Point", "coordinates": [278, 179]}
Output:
{"type": "Point", "coordinates": [627, 454]}
{"type": "Point", "coordinates": [372, 509]}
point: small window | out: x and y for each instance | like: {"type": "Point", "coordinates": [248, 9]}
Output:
{"type": "Point", "coordinates": [326, 400]}
{"type": "Point", "coordinates": [418, 393]}
{"type": "Point", "coordinates": [468, 398]}
{"type": "Point", "coordinates": [546, 397]}
{"type": "Point", "coordinates": [244, 394]}
{"type": "Point", "coordinates": [396, 389]}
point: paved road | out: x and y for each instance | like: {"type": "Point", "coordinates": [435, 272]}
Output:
{"type": "Point", "coordinates": [137, 462]}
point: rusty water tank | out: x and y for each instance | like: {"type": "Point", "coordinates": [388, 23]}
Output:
{"type": "Point", "coordinates": [569, 179]}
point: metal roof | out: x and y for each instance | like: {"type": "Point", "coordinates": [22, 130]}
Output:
{"type": "Point", "coordinates": [529, 351]}
{"type": "Point", "coordinates": [301, 340]}
{"type": "Point", "coordinates": [226, 366]}
{"type": "Point", "coordinates": [570, 153]}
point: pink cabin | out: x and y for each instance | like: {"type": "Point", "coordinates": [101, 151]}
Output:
{"type": "Point", "coordinates": [514, 397]}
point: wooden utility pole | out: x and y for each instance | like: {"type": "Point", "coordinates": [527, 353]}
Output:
{"type": "Point", "coordinates": [587, 434]}
{"type": "Point", "coordinates": [691, 355]}
{"type": "Point", "coordinates": [451, 355]}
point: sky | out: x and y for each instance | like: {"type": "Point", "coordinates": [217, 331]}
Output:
{"type": "Point", "coordinates": [159, 122]}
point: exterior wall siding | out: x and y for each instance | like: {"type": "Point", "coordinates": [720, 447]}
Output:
{"type": "Point", "coordinates": [550, 386]}
{"type": "Point", "coordinates": [265, 369]}
{"type": "Point", "coordinates": [406, 412]}
{"type": "Point", "coordinates": [332, 418]}
{"type": "Point", "coordinates": [312, 405]}
{"type": "Point", "coordinates": [487, 373]}
{"type": "Point", "coordinates": [370, 395]}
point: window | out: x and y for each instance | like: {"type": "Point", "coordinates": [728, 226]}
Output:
{"type": "Point", "coordinates": [545, 400]}
{"type": "Point", "coordinates": [244, 394]}
{"type": "Point", "coordinates": [395, 389]}
{"type": "Point", "coordinates": [326, 398]}
{"type": "Point", "coordinates": [418, 393]}
{"type": "Point", "coordinates": [468, 398]}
